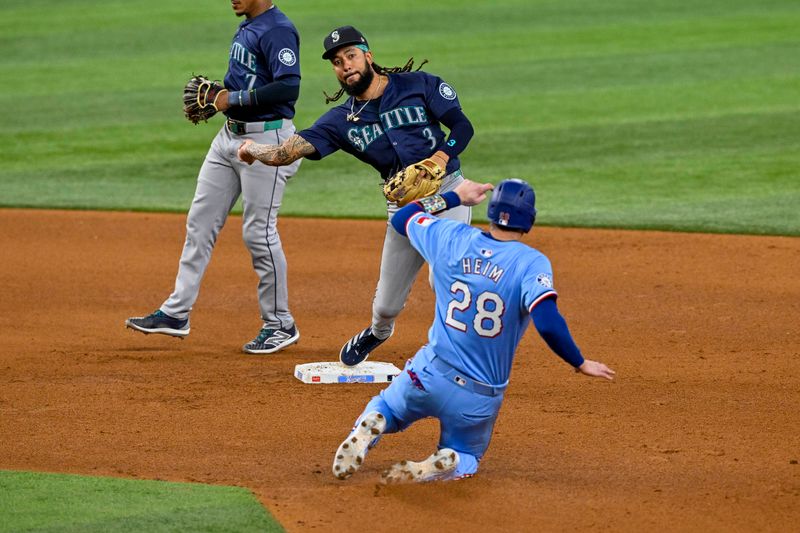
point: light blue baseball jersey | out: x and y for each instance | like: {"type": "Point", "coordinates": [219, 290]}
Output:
{"type": "Point", "coordinates": [485, 291]}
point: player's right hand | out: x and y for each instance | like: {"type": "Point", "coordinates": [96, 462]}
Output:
{"type": "Point", "coordinates": [472, 193]}
{"type": "Point", "coordinates": [596, 369]}
{"type": "Point", "coordinates": [244, 155]}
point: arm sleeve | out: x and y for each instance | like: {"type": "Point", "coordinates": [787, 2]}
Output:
{"type": "Point", "coordinates": [461, 132]}
{"type": "Point", "coordinates": [401, 218]}
{"type": "Point", "coordinates": [283, 90]}
{"type": "Point", "coordinates": [553, 329]}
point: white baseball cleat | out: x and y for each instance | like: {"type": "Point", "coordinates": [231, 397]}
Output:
{"type": "Point", "coordinates": [438, 466]}
{"type": "Point", "coordinates": [352, 451]}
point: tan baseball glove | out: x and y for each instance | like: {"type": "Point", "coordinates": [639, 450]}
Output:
{"type": "Point", "coordinates": [200, 98]}
{"type": "Point", "coordinates": [414, 182]}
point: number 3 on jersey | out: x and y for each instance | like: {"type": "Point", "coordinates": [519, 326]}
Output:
{"type": "Point", "coordinates": [490, 308]}
{"type": "Point", "coordinates": [429, 135]}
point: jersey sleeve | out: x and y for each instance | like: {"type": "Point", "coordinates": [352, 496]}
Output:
{"type": "Point", "coordinates": [323, 135]}
{"type": "Point", "coordinates": [429, 235]}
{"type": "Point", "coordinates": [281, 48]}
{"type": "Point", "coordinates": [537, 283]}
{"type": "Point", "coordinates": [440, 96]}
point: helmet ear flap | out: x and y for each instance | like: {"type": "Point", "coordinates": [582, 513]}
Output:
{"type": "Point", "coordinates": [533, 222]}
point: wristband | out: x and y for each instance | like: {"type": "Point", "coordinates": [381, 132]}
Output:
{"type": "Point", "coordinates": [239, 98]}
{"type": "Point", "coordinates": [452, 199]}
{"type": "Point", "coordinates": [433, 204]}
{"type": "Point", "coordinates": [439, 202]}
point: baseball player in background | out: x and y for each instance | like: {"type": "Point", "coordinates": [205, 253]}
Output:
{"type": "Point", "coordinates": [392, 119]}
{"type": "Point", "coordinates": [261, 88]}
{"type": "Point", "coordinates": [488, 288]}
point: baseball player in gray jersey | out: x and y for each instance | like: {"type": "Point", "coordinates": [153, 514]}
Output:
{"type": "Point", "coordinates": [392, 119]}
{"type": "Point", "coordinates": [261, 87]}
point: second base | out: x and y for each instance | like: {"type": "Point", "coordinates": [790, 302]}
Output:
{"type": "Point", "coordinates": [366, 372]}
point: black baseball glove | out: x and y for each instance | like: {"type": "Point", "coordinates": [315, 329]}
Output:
{"type": "Point", "coordinates": [200, 98]}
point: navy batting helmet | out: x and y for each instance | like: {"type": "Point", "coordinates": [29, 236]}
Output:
{"type": "Point", "coordinates": [513, 205]}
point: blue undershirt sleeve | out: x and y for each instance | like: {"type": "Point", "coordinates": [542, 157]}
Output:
{"type": "Point", "coordinates": [553, 329]}
{"type": "Point", "coordinates": [277, 92]}
{"type": "Point", "coordinates": [401, 218]}
{"type": "Point", "coordinates": [461, 131]}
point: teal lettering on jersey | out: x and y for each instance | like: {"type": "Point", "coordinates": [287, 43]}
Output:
{"type": "Point", "coordinates": [243, 56]}
{"type": "Point", "coordinates": [399, 117]}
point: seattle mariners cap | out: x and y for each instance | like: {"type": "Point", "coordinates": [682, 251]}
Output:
{"type": "Point", "coordinates": [343, 36]}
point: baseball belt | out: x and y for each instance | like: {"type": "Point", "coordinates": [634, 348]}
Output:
{"type": "Point", "coordinates": [458, 377]}
{"type": "Point", "coordinates": [240, 128]}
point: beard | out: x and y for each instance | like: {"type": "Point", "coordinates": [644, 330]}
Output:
{"type": "Point", "coordinates": [362, 84]}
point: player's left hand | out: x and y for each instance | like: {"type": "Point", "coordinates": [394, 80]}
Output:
{"type": "Point", "coordinates": [440, 158]}
{"type": "Point", "coordinates": [221, 101]}
{"type": "Point", "coordinates": [472, 193]}
{"type": "Point", "coordinates": [244, 155]}
{"type": "Point", "coordinates": [201, 97]}
{"type": "Point", "coordinates": [596, 369]}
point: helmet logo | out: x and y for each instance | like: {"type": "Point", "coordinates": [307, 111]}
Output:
{"type": "Point", "coordinates": [335, 36]}
{"type": "Point", "coordinates": [503, 218]}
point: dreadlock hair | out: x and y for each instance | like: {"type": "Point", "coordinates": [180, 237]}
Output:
{"type": "Point", "coordinates": [379, 70]}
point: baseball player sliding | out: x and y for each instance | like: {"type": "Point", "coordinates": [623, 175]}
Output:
{"type": "Point", "coordinates": [392, 121]}
{"type": "Point", "coordinates": [261, 88]}
{"type": "Point", "coordinates": [488, 288]}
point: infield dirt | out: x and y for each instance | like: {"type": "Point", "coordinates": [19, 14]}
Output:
{"type": "Point", "coordinates": [700, 431]}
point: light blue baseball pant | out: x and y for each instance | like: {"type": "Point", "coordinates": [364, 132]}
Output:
{"type": "Point", "coordinates": [466, 418]}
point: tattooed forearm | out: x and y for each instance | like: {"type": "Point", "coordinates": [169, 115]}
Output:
{"type": "Point", "coordinates": [291, 150]}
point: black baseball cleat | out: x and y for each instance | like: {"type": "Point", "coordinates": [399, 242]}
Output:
{"type": "Point", "coordinates": [159, 322]}
{"type": "Point", "coordinates": [357, 349]}
{"type": "Point", "coordinates": [270, 340]}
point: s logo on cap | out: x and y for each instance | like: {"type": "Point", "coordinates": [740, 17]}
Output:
{"type": "Point", "coordinates": [335, 36]}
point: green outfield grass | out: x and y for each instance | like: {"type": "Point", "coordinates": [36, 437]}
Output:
{"type": "Point", "coordinates": [668, 114]}
{"type": "Point", "coordinates": [57, 502]}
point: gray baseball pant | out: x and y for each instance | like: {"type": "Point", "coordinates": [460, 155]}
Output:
{"type": "Point", "coordinates": [400, 263]}
{"type": "Point", "coordinates": [222, 179]}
